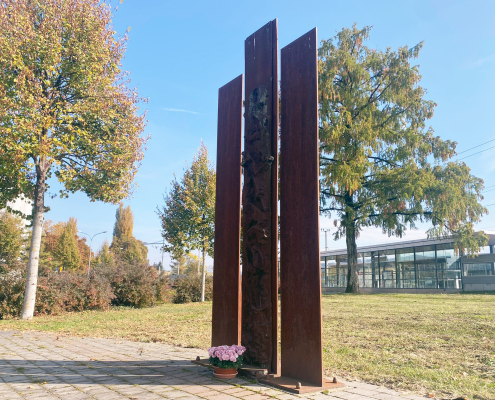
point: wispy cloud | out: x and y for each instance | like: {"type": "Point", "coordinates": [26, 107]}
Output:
{"type": "Point", "coordinates": [479, 62]}
{"type": "Point", "coordinates": [183, 111]}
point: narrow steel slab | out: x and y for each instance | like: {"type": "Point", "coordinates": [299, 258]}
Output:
{"type": "Point", "coordinates": [226, 318]}
{"type": "Point", "coordinates": [301, 343]}
{"type": "Point", "coordinates": [260, 215]}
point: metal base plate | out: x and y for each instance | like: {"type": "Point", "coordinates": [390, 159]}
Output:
{"type": "Point", "coordinates": [295, 386]}
{"type": "Point", "coordinates": [281, 382]}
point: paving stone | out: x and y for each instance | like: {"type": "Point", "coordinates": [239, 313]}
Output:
{"type": "Point", "coordinates": [285, 396]}
{"type": "Point", "coordinates": [255, 397]}
{"type": "Point", "coordinates": [193, 389]}
{"type": "Point", "coordinates": [351, 396]}
{"type": "Point", "coordinates": [233, 390]}
{"type": "Point", "coordinates": [176, 393]}
{"type": "Point", "coordinates": [221, 396]}
{"type": "Point", "coordinates": [366, 392]}
{"type": "Point", "coordinates": [205, 393]}
{"type": "Point", "coordinates": [243, 393]}
{"type": "Point", "coordinates": [220, 386]}
{"type": "Point", "coordinates": [76, 368]}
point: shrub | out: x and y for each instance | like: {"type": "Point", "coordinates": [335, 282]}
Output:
{"type": "Point", "coordinates": [69, 291]}
{"type": "Point", "coordinates": [133, 284]}
{"type": "Point", "coordinates": [164, 292]}
{"type": "Point", "coordinates": [188, 289]}
{"type": "Point", "coordinates": [12, 286]}
{"type": "Point", "coordinates": [121, 283]}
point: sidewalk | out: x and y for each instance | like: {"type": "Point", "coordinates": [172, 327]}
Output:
{"type": "Point", "coordinates": [43, 366]}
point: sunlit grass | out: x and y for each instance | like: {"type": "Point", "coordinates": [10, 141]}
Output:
{"type": "Point", "coordinates": [439, 344]}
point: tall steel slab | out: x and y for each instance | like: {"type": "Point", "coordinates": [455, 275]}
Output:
{"type": "Point", "coordinates": [226, 321]}
{"type": "Point", "coordinates": [300, 281]}
{"type": "Point", "coordinates": [259, 199]}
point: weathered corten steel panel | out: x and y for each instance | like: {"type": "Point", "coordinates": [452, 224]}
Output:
{"type": "Point", "coordinates": [226, 324]}
{"type": "Point", "coordinates": [259, 199]}
{"type": "Point", "coordinates": [300, 281]}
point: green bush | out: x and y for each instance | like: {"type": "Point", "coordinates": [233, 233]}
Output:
{"type": "Point", "coordinates": [120, 283]}
{"type": "Point", "coordinates": [133, 284]}
{"type": "Point", "coordinates": [188, 289]}
{"type": "Point", "coordinates": [164, 292]}
{"type": "Point", "coordinates": [68, 291]}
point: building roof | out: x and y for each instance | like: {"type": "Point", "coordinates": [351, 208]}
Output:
{"type": "Point", "coordinates": [400, 245]}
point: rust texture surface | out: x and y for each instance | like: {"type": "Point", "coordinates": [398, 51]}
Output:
{"type": "Point", "coordinates": [226, 319]}
{"type": "Point", "coordinates": [298, 386]}
{"type": "Point", "coordinates": [301, 345]}
{"type": "Point", "coordinates": [259, 199]}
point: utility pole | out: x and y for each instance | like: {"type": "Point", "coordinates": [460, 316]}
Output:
{"type": "Point", "coordinates": [326, 242]}
{"type": "Point", "coordinates": [203, 274]}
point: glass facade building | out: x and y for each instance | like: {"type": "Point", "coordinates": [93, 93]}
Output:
{"type": "Point", "coordinates": [425, 264]}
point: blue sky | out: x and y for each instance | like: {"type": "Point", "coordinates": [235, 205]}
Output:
{"type": "Point", "coordinates": [181, 52]}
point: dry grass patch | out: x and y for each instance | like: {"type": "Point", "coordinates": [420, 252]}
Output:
{"type": "Point", "coordinates": [439, 344]}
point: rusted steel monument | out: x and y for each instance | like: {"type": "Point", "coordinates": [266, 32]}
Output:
{"type": "Point", "coordinates": [245, 311]}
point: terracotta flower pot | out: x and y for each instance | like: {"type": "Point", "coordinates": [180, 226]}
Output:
{"type": "Point", "coordinates": [223, 373]}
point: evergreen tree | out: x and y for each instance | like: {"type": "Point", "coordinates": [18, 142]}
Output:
{"type": "Point", "coordinates": [12, 239]}
{"type": "Point", "coordinates": [381, 165]}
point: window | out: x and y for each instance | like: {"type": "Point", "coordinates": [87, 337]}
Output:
{"type": "Point", "coordinates": [329, 276]}
{"type": "Point", "coordinates": [405, 268]}
{"type": "Point", "coordinates": [341, 263]}
{"type": "Point", "coordinates": [426, 267]}
{"type": "Point", "coordinates": [323, 272]}
{"type": "Point", "coordinates": [478, 269]}
{"type": "Point", "coordinates": [449, 267]}
{"type": "Point", "coordinates": [368, 270]}
{"type": "Point", "coordinates": [387, 269]}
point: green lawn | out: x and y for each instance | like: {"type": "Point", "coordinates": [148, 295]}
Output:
{"type": "Point", "coordinates": [438, 344]}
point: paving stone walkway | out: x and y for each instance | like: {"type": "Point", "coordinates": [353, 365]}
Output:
{"type": "Point", "coordinates": [45, 366]}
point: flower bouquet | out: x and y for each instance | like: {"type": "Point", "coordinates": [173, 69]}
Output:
{"type": "Point", "coordinates": [226, 360]}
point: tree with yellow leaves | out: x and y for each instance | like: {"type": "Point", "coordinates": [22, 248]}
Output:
{"type": "Point", "coordinates": [66, 109]}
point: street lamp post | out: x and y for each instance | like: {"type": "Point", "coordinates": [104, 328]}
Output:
{"type": "Point", "coordinates": [90, 242]}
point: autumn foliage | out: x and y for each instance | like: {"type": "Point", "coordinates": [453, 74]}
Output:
{"type": "Point", "coordinates": [66, 108]}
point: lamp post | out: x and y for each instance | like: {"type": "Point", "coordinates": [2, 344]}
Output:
{"type": "Point", "coordinates": [90, 242]}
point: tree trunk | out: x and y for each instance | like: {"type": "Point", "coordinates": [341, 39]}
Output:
{"type": "Point", "coordinates": [34, 251]}
{"type": "Point", "coordinates": [203, 278]}
{"type": "Point", "coordinates": [352, 267]}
